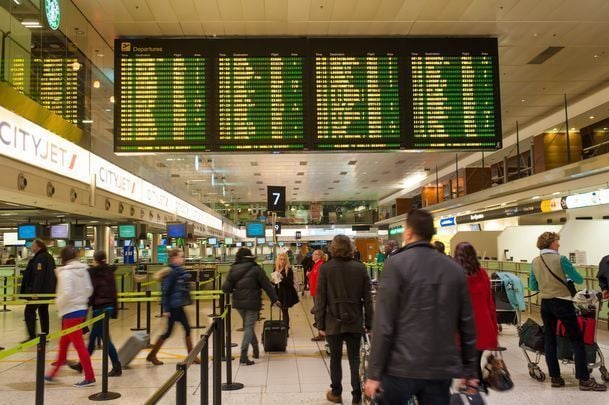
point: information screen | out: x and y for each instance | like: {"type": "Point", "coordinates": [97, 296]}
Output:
{"type": "Point", "coordinates": [162, 97]}
{"type": "Point", "coordinates": [307, 94]}
{"type": "Point", "coordinates": [356, 96]}
{"type": "Point", "coordinates": [455, 99]}
{"type": "Point", "coordinates": [260, 95]}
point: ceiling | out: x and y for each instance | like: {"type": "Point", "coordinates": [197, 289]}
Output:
{"type": "Point", "coordinates": [529, 92]}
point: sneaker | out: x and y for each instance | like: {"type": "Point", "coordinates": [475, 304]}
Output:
{"type": "Point", "coordinates": [85, 383]}
{"type": "Point", "coordinates": [557, 382]}
{"type": "Point", "coordinates": [50, 380]}
{"type": "Point", "coordinates": [337, 399]}
{"type": "Point", "coordinates": [591, 385]}
{"type": "Point", "coordinates": [247, 362]}
{"type": "Point", "coordinates": [76, 366]}
{"type": "Point", "coordinates": [318, 338]}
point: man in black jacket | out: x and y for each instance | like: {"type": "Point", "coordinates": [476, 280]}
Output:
{"type": "Point", "coordinates": [423, 305]}
{"type": "Point", "coordinates": [245, 279]}
{"type": "Point", "coordinates": [38, 278]}
{"type": "Point", "coordinates": [343, 310]}
{"type": "Point", "coordinates": [603, 276]}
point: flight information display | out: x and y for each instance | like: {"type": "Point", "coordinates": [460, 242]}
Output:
{"type": "Point", "coordinates": [357, 101]}
{"type": "Point", "coordinates": [260, 102]}
{"type": "Point", "coordinates": [56, 87]}
{"type": "Point", "coordinates": [162, 102]}
{"type": "Point", "coordinates": [306, 94]}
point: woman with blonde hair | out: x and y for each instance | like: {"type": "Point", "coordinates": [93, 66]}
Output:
{"type": "Point", "coordinates": [283, 280]}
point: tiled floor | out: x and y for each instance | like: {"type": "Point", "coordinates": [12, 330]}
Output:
{"type": "Point", "coordinates": [299, 376]}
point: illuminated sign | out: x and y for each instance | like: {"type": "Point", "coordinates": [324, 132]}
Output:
{"type": "Point", "coordinates": [396, 230]}
{"type": "Point", "coordinates": [450, 221]}
{"type": "Point", "coordinates": [53, 13]}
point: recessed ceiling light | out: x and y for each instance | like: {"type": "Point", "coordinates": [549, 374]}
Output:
{"type": "Point", "coordinates": [343, 173]}
{"type": "Point", "coordinates": [595, 55]}
{"type": "Point", "coordinates": [256, 174]}
{"type": "Point", "coordinates": [556, 193]}
{"type": "Point", "coordinates": [522, 100]}
{"type": "Point", "coordinates": [296, 188]}
{"type": "Point", "coordinates": [365, 187]}
{"type": "Point", "coordinates": [303, 163]}
{"type": "Point", "coordinates": [604, 129]}
{"type": "Point", "coordinates": [573, 129]}
{"type": "Point", "coordinates": [591, 117]}
{"type": "Point", "coordinates": [336, 181]}
{"type": "Point", "coordinates": [352, 162]}
{"type": "Point", "coordinates": [330, 188]}
{"type": "Point", "coordinates": [535, 197]}
{"type": "Point", "coordinates": [259, 182]}
{"type": "Point", "coordinates": [300, 174]}
{"type": "Point", "coordinates": [555, 129]}
{"type": "Point", "coordinates": [260, 189]}
{"type": "Point", "coordinates": [254, 163]}
{"type": "Point", "coordinates": [298, 182]}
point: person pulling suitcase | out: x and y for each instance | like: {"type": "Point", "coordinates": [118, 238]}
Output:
{"type": "Point", "coordinates": [244, 281]}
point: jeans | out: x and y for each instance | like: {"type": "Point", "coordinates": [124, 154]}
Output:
{"type": "Point", "coordinates": [97, 333]}
{"type": "Point", "coordinates": [79, 344]}
{"type": "Point", "coordinates": [551, 311]}
{"type": "Point", "coordinates": [335, 343]}
{"type": "Point", "coordinates": [397, 390]}
{"type": "Point", "coordinates": [176, 315]}
{"type": "Point", "coordinates": [249, 334]}
{"type": "Point", "coordinates": [30, 318]}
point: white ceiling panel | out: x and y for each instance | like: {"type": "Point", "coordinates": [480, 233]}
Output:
{"type": "Point", "coordinates": [235, 28]}
{"type": "Point", "coordinates": [192, 28]}
{"type": "Point", "coordinates": [212, 28]}
{"type": "Point", "coordinates": [207, 10]}
{"type": "Point", "coordinates": [254, 9]}
{"type": "Point", "coordinates": [231, 9]}
{"type": "Point", "coordinates": [138, 10]}
{"type": "Point", "coordinates": [343, 10]}
{"type": "Point", "coordinates": [321, 10]}
{"type": "Point", "coordinates": [387, 9]}
{"type": "Point", "coordinates": [170, 28]}
{"type": "Point", "coordinates": [276, 10]}
{"type": "Point", "coordinates": [364, 10]}
{"type": "Point", "coordinates": [298, 10]}
{"type": "Point", "coordinates": [297, 28]}
{"type": "Point", "coordinates": [317, 28]}
{"type": "Point", "coordinates": [164, 11]}
{"type": "Point", "coordinates": [184, 10]}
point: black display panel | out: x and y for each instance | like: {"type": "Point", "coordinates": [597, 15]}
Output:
{"type": "Point", "coordinates": [307, 94]}
{"type": "Point", "coordinates": [453, 93]}
{"type": "Point", "coordinates": [355, 94]}
{"type": "Point", "coordinates": [162, 97]}
{"type": "Point", "coordinates": [259, 95]}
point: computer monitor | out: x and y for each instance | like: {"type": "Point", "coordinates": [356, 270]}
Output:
{"type": "Point", "coordinates": [228, 241]}
{"type": "Point", "coordinates": [60, 231]}
{"type": "Point", "coordinates": [260, 241]}
{"type": "Point", "coordinates": [249, 244]}
{"type": "Point", "coordinates": [127, 231]}
{"type": "Point", "coordinates": [176, 230]}
{"type": "Point", "coordinates": [238, 244]}
{"type": "Point", "coordinates": [254, 230]}
{"type": "Point", "coordinates": [28, 231]}
{"type": "Point", "coordinates": [212, 241]}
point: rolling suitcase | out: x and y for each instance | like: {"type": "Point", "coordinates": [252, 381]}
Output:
{"type": "Point", "coordinates": [274, 334]}
{"type": "Point", "coordinates": [133, 345]}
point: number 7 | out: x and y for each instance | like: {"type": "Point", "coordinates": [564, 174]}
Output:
{"type": "Point", "coordinates": [276, 195]}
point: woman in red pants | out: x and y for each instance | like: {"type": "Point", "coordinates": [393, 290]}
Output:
{"type": "Point", "coordinates": [73, 291]}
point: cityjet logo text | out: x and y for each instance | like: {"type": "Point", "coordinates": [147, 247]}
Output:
{"type": "Point", "coordinates": [36, 147]}
{"type": "Point", "coordinates": [115, 181]}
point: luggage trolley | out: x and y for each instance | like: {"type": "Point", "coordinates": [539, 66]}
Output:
{"type": "Point", "coordinates": [507, 314]}
{"type": "Point", "coordinates": [588, 305]}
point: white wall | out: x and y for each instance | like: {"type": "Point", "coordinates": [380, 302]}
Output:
{"type": "Point", "coordinates": [485, 242]}
{"type": "Point", "coordinates": [521, 241]}
{"type": "Point", "coordinates": [589, 236]}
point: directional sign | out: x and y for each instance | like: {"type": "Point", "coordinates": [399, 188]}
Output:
{"type": "Point", "coordinates": [275, 198]}
{"type": "Point", "coordinates": [298, 235]}
{"type": "Point", "coordinates": [277, 229]}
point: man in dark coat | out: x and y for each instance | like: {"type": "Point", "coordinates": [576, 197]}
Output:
{"type": "Point", "coordinates": [245, 279]}
{"type": "Point", "coordinates": [343, 312]}
{"type": "Point", "coordinates": [423, 305]}
{"type": "Point", "coordinates": [38, 278]}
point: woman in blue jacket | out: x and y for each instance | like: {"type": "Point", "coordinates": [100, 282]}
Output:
{"type": "Point", "coordinates": [175, 295]}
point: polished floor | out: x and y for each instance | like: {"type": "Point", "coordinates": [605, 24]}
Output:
{"type": "Point", "coordinates": [299, 376]}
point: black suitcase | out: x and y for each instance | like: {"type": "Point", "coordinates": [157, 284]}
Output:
{"type": "Point", "coordinates": [274, 334]}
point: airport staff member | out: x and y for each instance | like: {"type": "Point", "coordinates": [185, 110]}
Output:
{"type": "Point", "coordinates": [38, 278]}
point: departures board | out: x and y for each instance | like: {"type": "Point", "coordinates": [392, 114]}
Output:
{"type": "Point", "coordinates": [306, 94]}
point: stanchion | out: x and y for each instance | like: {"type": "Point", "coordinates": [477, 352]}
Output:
{"type": "Point", "coordinates": [213, 301]}
{"type": "Point", "coordinates": [217, 363]}
{"type": "Point", "coordinates": [105, 395]}
{"type": "Point", "coordinates": [204, 371]}
{"type": "Point", "coordinates": [122, 307]}
{"type": "Point", "coordinates": [230, 385]}
{"type": "Point", "coordinates": [181, 384]}
{"type": "Point", "coordinates": [197, 325]}
{"type": "Point", "coordinates": [160, 315]}
{"type": "Point", "coordinates": [4, 309]}
{"type": "Point", "coordinates": [222, 327]}
{"type": "Point", "coordinates": [40, 362]}
{"type": "Point", "coordinates": [138, 307]}
{"type": "Point", "coordinates": [148, 309]}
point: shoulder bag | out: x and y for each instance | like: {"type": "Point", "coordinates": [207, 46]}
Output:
{"type": "Point", "coordinates": [498, 377]}
{"type": "Point", "coordinates": [569, 283]}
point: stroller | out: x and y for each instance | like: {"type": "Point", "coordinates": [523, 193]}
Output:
{"type": "Point", "coordinates": [588, 305]}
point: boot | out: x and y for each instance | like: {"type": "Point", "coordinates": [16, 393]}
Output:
{"type": "Point", "coordinates": [256, 351]}
{"type": "Point", "coordinates": [152, 355]}
{"type": "Point", "coordinates": [189, 349]}
{"type": "Point", "coordinates": [117, 370]}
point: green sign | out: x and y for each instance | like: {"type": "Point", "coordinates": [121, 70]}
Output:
{"type": "Point", "coordinates": [51, 8]}
{"type": "Point", "coordinates": [396, 230]}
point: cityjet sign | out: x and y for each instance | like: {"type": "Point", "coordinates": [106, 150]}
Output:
{"type": "Point", "coordinates": [25, 141]}
{"type": "Point", "coordinates": [112, 178]}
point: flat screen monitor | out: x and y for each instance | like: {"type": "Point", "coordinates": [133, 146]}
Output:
{"type": "Point", "coordinates": [238, 244]}
{"type": "Point", "coordinates": [78, 244]}
{"type": "Point", "coordinates": [60, 231]}
{"type": "Point", "coordinates": [228, 241]}
{"type": "Point", "coordinates": [212, 241]}
{"type": "Point", "coordinates": [28, 231]}
{"type": "Point", "coordinates": [281, 243]}
{"type": "Point", "coordinates": [11, 239]}
{"type": "Point", "coordinates": [163, 242]}
{"type": "Point", "coordinates": [260, 241]}
{"type": "Point", "coordinates": [176, 230]}
{"type": "Point", "coordinates": [28, 244]}
{"type": "Point", "coordinates": [271, 244]}
{"type": "Point", "coordinates": [61, 243]}
{"type": "Point", "coordinates": [254, 230]}
{"type": "Point", "coordinates": [127, 231]}
{"type": "Point", "coordinates": [249, 244]}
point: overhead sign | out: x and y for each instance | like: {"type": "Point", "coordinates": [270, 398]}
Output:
{"type": "Point", "coordinates": [277, 229]}
{"type": "Point", "coordinates": [298, 235]}
{"type": "Point", "coordinates": [450, 221]}
{"type": "Point", "coordinates": [275, 196]}
{"type": "Point", "coordinates": [524, 209]}
{"type": "Point", "coordinates": [53, 13]}
{"type": "Point", "coordinates": [396, 230]}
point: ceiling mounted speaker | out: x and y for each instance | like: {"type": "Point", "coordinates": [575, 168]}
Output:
{"type": "Point", "coordinates": [121, 208]}
{"type": "Point", "coordinates": [132, 211]}
{"type": "Point", "coordinates": [142, 214]}
{"type": "Point", "coordinates": [50, 189]}
{"type": "Point", "coordinates": [108, 204]}
{"type": "Point", "coordinates": [73, 195]}
{"type": "Point", "coordinates": [21, 182]}
{"type": "Point", "coordinates": [150, 215]}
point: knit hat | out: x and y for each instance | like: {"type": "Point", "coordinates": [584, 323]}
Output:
{"type": "Point", "coordinates": [244, 253]}
{"type": "Point", "coordinates": [100, 256]}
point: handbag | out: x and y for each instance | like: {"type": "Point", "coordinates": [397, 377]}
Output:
{"type": "Point", "coordinates": [569, 283]}
{"type": "Point", "coordinates": [531, 335]}
{"type": "Point", "coordinates": [498, 377]}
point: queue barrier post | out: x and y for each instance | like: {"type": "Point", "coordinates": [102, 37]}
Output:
{"type": "Point", "coordinates": [229, 385]}
{"type": "Point", "coordinates": [122, 308]}
{"type": "Point", "coordinates": [217, 363]}
{"type": "Point", "coordinates": [105, 395]}
{"type": "Point", "coordinates": [181, 384]}
{"type": "Point", "coordinates": [222, 328]}
{"type": "Point", "coordinates": [138, 307]}
{"type": "Point", "coordinates": [197, 308]}
{"type": "Point", "coordinates": [40, 362]}
{"type": "Point", "coordinates": [4, 309]}
{"type": "Point", "coordinates": [148, 309]}
{"type": "Point", "coordinates": [204, 372]}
